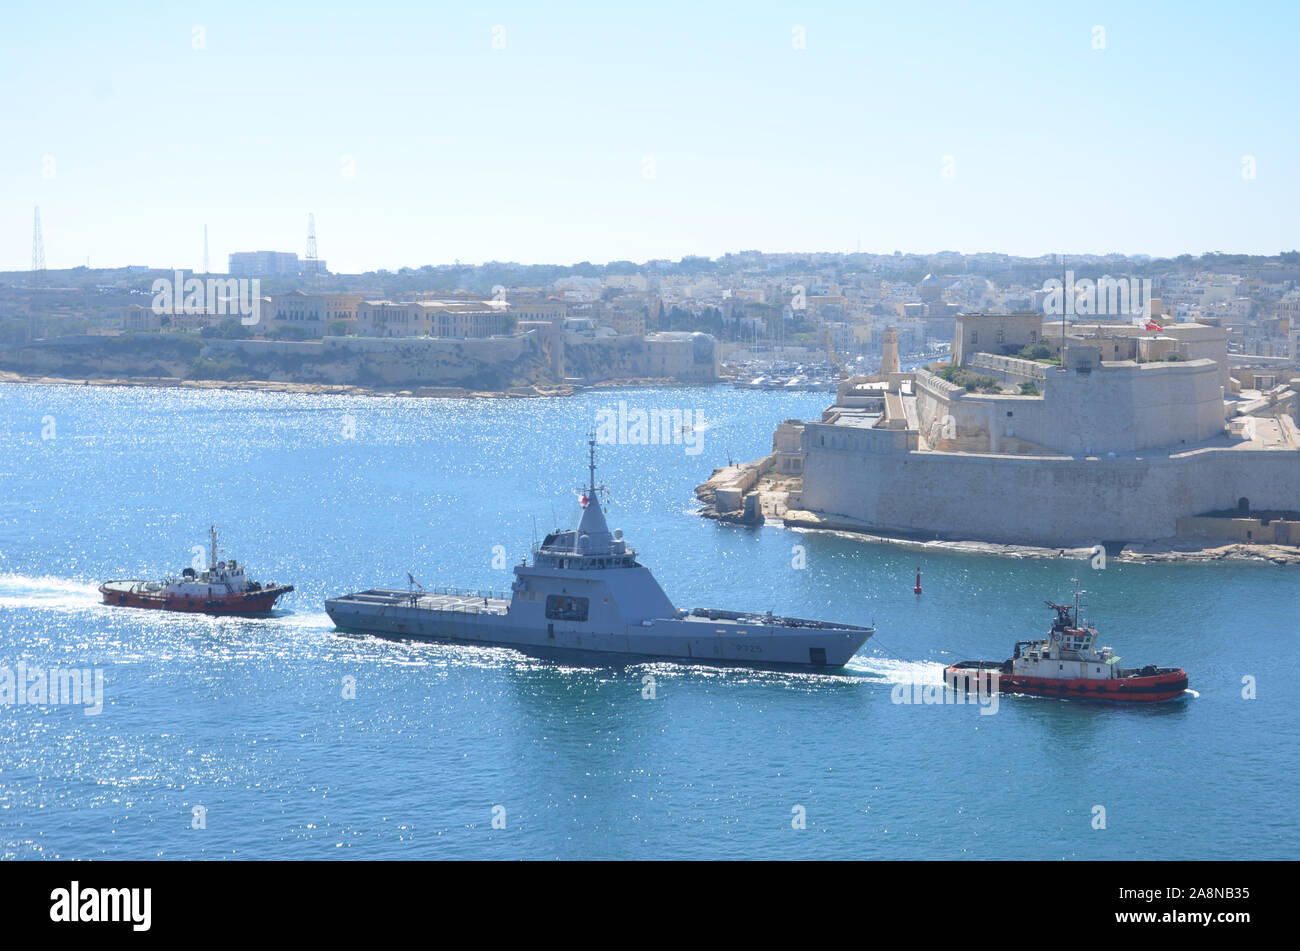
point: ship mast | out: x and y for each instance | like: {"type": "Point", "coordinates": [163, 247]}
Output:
{"type": "Point", "coordinates": [591, 489]}
{"type": "Point", "coordinates": [212, 557]}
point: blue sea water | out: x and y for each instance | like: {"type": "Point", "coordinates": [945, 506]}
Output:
{"type": "Point", "coordinates": [248, 719]}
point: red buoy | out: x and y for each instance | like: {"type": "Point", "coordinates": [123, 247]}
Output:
{"type": "Point", "coordinates": [917, 589]}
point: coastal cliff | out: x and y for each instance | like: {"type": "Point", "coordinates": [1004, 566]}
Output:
{"type": "Point", "coordinates": [507, 365]}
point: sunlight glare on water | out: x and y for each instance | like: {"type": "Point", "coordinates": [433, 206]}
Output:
{"type": "Point", "coordinates": [248, 718]}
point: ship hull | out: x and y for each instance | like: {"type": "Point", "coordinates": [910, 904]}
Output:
{"type": "Point", "coordinates": [126, 594]}
{"type": "Point", "coordinates": [394, 615]}
{"type": "Point", "coordinates": [1164, 684]}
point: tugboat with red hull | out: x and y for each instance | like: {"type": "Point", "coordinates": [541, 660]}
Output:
{"type": "Point", "coordinates": [223, 588]}
{"type": "Point", "coordinates": [1067, 663]}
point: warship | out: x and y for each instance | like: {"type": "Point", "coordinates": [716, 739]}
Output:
{"type": "Point", "coordinates": [586, 591]}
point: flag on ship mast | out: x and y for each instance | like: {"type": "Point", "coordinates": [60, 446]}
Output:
{"type": "Point", "coordinates": [410, 577]}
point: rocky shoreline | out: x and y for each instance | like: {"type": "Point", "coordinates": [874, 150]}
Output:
{"type": "Point", "coordinates": [1158, 551]}
{"type": "Point", "coordinates": [330, 389]}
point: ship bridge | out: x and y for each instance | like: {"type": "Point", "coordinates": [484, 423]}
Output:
{"type": "Point", "coordinates": [588, 576]}
{"type": "Point", "coordinates": [591, 544]}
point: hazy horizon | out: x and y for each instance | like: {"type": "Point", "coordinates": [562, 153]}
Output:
{"type": "Point", "coordinates": [218, 268]}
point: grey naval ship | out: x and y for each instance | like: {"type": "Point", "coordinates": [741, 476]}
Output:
{"type": "Point", "coordinates": [585, 591]}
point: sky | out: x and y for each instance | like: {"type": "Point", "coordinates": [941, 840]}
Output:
{"type": "Point", "coordinates": [429, 133]}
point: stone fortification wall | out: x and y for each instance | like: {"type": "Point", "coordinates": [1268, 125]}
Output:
{"type": "Point", "coordinates": [1010, 369]}
{"type": "Point", "coordinates": [1055, 501]}
{"type": "Point", "coordinates": [1130, 407]}
{"type": "Point", "coordinates": [1120, 408]}
{"type": "Point", "coordinates": [953, 419]}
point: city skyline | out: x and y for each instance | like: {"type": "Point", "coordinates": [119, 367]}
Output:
{"type": "Point", "coordinates": [593, 136]}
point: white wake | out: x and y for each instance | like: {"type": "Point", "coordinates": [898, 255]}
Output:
{"type": "Point", "coordinates": [896, 671]}
{"type": "Point", "coordinates": [46, 591]}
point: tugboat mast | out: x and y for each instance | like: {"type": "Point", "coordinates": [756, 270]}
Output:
{"type": "Point", "coordinates": [212, 557]}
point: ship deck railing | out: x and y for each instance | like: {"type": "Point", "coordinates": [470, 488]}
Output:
{"type": "Point", "coordinates": [773, 620]}
{"type": "Point", "coordinates": [444, 600]}
{"type": "Point", "coordinates": [463, 604]}
{"type": "Point", "coordinates": [465, 593]}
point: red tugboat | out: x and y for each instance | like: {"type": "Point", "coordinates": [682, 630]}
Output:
{"type": "Point", "coordinates": [222, 589]}
{"type": "Point", "coordinates": [1067, 663]}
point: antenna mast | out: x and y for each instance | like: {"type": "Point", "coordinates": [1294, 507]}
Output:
{"type": "Point", "coordinates": [313, 263]}
{"type": "Point", "coordinates": [38, 251]}
{"type": "Point", "coordinates": [590, 492]}
{"type": "Point", "coordinates": [1063, 311]}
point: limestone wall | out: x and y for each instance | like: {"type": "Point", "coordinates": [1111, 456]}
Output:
{"type": "Point", "coordinates": [1055, 501]}
{"type": "Point", "coordinates": [727, 487]}
{"type": "Point", "coordinates": [994, 333]}
{"type": "Point", "coordinates": [1119, 407]}
{"type": "Point", "coordinates": [688, 357]}
{"type": "Point", "coordinates": [334, 348]}
{"type": "Point", "coordinates": [953, 419]}
{"type": "Point", "coordinates": [1129, 407]}
{"type": "Point", "coordinates": [1010, 369]}
{"type": "Point", "coordinates": [1246, 530]}
{"type": "Point", "coordinates": [490, 363]}
{"type": "Point", "coordinates": [857, 439]}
